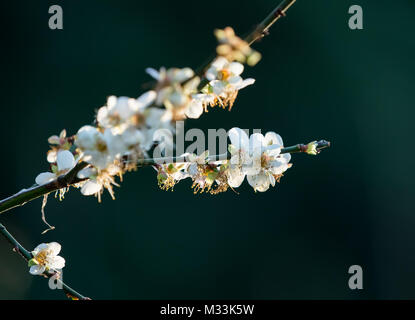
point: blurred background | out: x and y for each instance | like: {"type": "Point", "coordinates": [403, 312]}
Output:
{"type": "Point", "coordinates": [318, 79]}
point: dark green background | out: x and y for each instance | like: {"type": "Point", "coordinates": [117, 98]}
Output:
{"type": "Point", "coordinates": [318, 79]}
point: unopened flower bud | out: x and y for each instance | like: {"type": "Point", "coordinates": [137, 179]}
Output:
{"type": "Point", "coordinates": [312, 148]}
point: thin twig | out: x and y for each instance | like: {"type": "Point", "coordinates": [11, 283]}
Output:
{"type": "Point", "coordinates": [25, 254]}
{"type": "Point", "coordinates": [261, 30]}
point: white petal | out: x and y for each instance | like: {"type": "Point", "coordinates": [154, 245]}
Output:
{"type": "Point", "coordinates": [178, 98]}
{"type": "Point", "coordinates": [278, 167]}
{"type": "Point", "coordinates": [272, 179]}
{"type": "Point", "coordinates": [125, 107]}
{"type": "Point", "coordinates": [146, 99]}
{"type": "Point", "coordinates": [115, 143]}
{"type": "Point", "coordinates": [153, 116]}
{"type": "Point", "coordinates": [211, 73]}
{"type": "Point", "coordinates": [255, 142]}
{"type": "Point", "coordinates": [40, 247]}
{"type": "Point", "coordinates": [65, 160]}
{"type": "Point", "coordinates": [236, 160]}
{"type": "Point", "coordinates": [54, 248]}
{"type": "Point", "coordinates": [220, 63]}
{"type": "Point", "coordinates": [252, 164]}
{"type": "Point", "coordinates": [154, 73]}
{"type": "Point", "coordinates": [37, 269]}
{"type": "Point", "coordinates": [204, 98]}
{"type": "Point", "coordinates": [218, 87]}
{"type": "Point", "coordinates": [194, 110]}
{"type": "Point", "coordinates": [54, 140]}
{"type": "Point", "coordinates": [86, 137]}
{"type": "Point", "coordinates": [180, 175]}
{"type": "Point", "coordinates": [286, 157]}
{"type": "Point", "coordinates": [236, 68]}
{"type": "Point", "coordinates": [45, 177]}
{"type": "Point", "coordinates": [91, 187]}
{"type": "Point", "coordinates": [273, 151]}
{"type": "Point", "coordinates": [132, 137]}
{"type": "Point", "coordinates": [272, 138]}
{"type": "Point", "coordinates": [100, 160]}
{"type": "Point", "coordinates": [192, 169]}
{"type": "Point", "coordinates": [111, 101]}
{"type": "Point", "coordinates": [235, 81]}
{"type": "Point", "coordinates": [182, 74]}
{"type": "Point", "coordinates": [245, 83]}
{"type": "Point", "coordinates": [239, 138]}
{"type": "Point", "coordinates": [235, 177]}
{"type": "Point", "coordinates": [260, 182]}
{"type": "Point", "coordinates": [57, 262]}
{"type": "Point", "coordinates": [86, 173]}
{"type": "Point", "coordinates": [102, 116]}
{"type": "Point", "coordinates": [51, 157]}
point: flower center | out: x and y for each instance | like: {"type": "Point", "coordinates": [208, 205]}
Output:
{"type": "Point", "coordinates": [224, 74]}
{"type": "Point", "coordinates": [42, 256]}
{"type": "Point", "coordinates": [264, 160]}
{"type": "Point", "coordinates": [138, 120]}
{"type": "Point", "coordinates": [101, 145]}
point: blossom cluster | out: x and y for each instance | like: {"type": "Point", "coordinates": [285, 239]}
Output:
{"type": "Point", "coordinates": [126, 129]}
{"type": "Point", "coordinates": [258, 158]}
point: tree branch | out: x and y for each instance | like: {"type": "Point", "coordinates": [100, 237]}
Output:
{"type": "Point", "coordinates": [26, 195]}
{"type": "Point", "coordinates": [70, 178]}
{"type": "Point", "coordinates": [25, 254]}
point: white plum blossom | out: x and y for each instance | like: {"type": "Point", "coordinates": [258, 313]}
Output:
{"type": "Point", "coordinates": [222, 69]}
{"type": "Point", "coordinates": [97, 181]}
{"type": "Point", "coordinates": [65, 161]}
{"type": "Point", "coordinates": [258, 157]}
{"type": "Point", "coordinates": [175, 88]}
{"type": "Point", "coordinates": [178, 99]}
{"type": "Point", "coordinates": [120, 112]}
{"type": "Point", "coordinates": [46, 258]}
{"type": "Point", "coordinates": [94, 146]}
{"type": "Point", "coordinates": [171, 173]}
{"type": "Point", "coordinates": [225, 80]}
{"type": "Point", "coordinates": [202, 172]}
